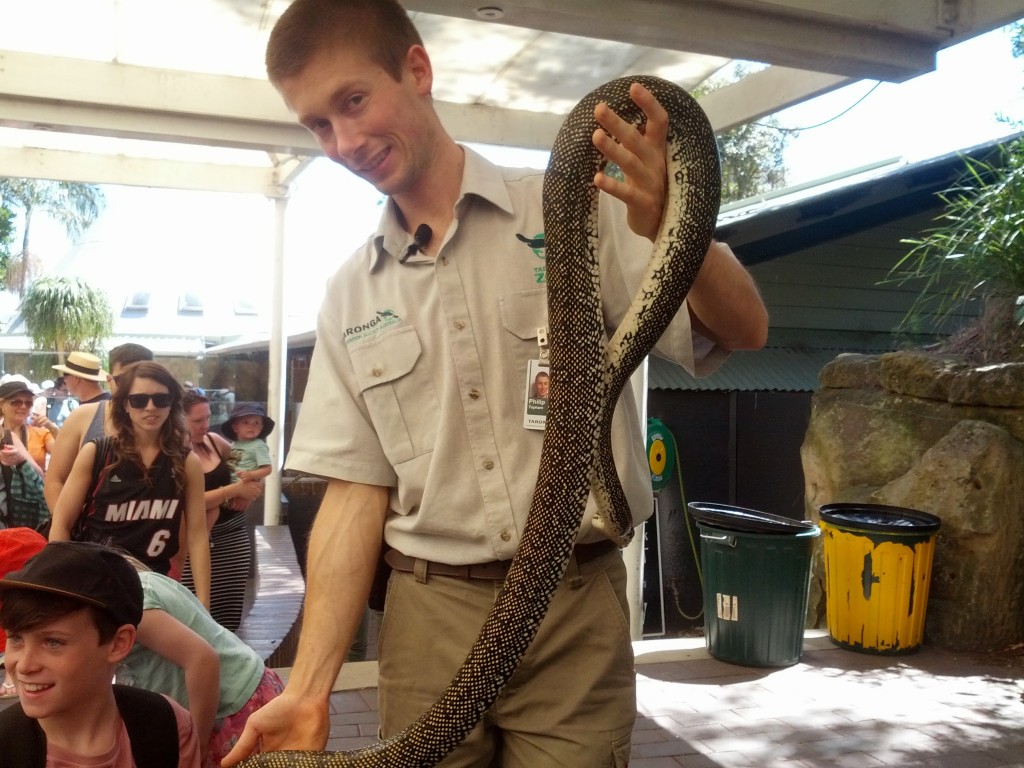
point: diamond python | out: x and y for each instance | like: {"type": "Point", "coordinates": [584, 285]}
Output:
{"type": "Point", "coordinates": [588, 372]}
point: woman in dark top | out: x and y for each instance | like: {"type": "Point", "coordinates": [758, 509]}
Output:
{"type": "Point", "coordinates": [141, 489]}
{"type": "Point", "coordinates": [225, 501]}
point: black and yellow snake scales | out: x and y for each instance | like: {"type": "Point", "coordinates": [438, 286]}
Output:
{"type": "Point", "coordinates": [588, 372]}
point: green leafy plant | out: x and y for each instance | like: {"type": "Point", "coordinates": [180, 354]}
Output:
{"type": "Point", "coordinates": [65, 314]}
{"type": "Point", "coordinates": [6, 239]}
{"type": "Point", "coordinates": [74, 206]}
{"type": "Point", "coordinates": [752, 154]}
{"type": "Point", "coordinates": [976, 251]}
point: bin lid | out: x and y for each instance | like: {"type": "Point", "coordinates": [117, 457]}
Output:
{"type": "Point", "coordinates": [745, 520]}
{"type": "Point", "coordinates": [879, 517]}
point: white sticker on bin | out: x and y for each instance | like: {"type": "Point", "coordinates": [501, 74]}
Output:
{"type": "Point", "coordinates": [728, 607]}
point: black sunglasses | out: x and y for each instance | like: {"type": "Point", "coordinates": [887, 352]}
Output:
{"type": "Point", "coordinates": [161, 400]}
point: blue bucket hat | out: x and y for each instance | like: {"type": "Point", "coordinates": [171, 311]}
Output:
{"type": "Point", "coordinates": [247, 409]}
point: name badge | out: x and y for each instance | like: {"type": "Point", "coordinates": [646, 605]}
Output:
{"type": "Point", "coordinates": [535, 410]}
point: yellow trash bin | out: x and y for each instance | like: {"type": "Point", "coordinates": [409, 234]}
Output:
{"type": "Point", "coordinates": [878, 566]}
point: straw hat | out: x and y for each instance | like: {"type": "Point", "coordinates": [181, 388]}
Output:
{"type": "Point", "coordinates": [83, 365]}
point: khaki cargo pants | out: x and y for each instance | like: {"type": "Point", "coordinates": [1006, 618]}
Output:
{"type": "Point", "coordinates": [571, 703]}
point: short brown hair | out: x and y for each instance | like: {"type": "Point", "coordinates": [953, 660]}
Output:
{"type": "Point", "coordinates": [380, 28]}
{"type": "Point", "coordinates": [23, 610]}
{"type": "Point", "coordinates": [126, 354]}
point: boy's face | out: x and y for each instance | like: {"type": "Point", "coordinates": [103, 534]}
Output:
{"type": "Point", "coordinates": [61, 667]}
{"type": "Point", "coordinates": [248, 427]}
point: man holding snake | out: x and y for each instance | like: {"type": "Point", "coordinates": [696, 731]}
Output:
{"type": "Point", "coordinates": [427, 344]}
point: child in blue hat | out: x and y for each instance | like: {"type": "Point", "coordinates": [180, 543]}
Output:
{"type": "Point", "coordinates": [247, 427]}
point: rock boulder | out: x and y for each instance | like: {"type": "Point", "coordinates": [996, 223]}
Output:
{"type": "Point", "coordinates": [893, 430]}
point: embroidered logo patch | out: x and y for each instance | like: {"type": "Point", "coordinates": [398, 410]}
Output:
{"type": "Point", "coordinates": [384, 318]}
{"type": "Point", "coordinates": [536, 244]}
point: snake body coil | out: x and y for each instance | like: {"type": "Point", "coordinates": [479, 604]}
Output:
{"type": "Point", "coordinates": [588, 372]}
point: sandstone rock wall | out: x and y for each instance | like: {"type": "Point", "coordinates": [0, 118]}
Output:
{"type": "Point", "coordinates": [933, 434]}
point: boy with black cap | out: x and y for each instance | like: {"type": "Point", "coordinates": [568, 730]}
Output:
{"type": "Point", "coordinates": [71, 615]}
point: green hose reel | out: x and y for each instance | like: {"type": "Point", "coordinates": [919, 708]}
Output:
{"type": "Point", "coordinates": [661, 453]}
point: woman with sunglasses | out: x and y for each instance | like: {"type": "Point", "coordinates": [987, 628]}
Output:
{"type": "Point", "coordinates": [137, 489]}
{"type": "Point", "coordinates": [16, 400]}
{"type": "Point", "coordinates": [23, 452]}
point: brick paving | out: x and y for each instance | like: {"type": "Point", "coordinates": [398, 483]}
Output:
{"type": "Point", "coordinates": [835, 708]}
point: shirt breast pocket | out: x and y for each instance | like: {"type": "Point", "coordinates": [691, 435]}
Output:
{"type": "Point", "coordinates": [521, 315]}
{"type": "Point", "coordinates": [399, 394]}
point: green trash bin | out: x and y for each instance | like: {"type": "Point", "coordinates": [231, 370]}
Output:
{"type": "Point", "coordinates": [757, 570]}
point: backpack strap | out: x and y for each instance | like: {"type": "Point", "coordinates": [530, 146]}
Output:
{"type": "Point", "coordinates": [5, 490]}
{"type": "Point", "coordinates": [148, 717]}
{"type": "Point", "coordinates": [24, 741]}
{"type": "Point", "coordinates": [4, 469]}
{"type": "Point", "coordinates": [151, 725]}
{"type": "Point", "coordinates": [104, 446]}
{"type": "Point", "coordinates": [104, 449]}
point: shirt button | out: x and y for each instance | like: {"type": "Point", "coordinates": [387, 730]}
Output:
{"type": "Point", "coordinates": [459, 325]}
{"type": "Point", "coordinates": [378, 372]}
{"type": "Point", "coordinates": [474, 394]}
{"type": "Point", "coordinates": [506, 536]}
{"type": "Point", "coordinates": [444, 261]}
{"type": "Point", "coordinates": [488, 464]}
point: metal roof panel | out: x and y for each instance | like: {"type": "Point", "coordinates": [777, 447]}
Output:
{"type": "Point", "coordinates": [772, 369]}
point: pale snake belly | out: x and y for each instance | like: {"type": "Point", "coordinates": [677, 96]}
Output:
{"type": "Point", "coordinates": [588, 372]}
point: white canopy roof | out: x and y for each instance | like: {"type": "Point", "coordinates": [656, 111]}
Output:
{"type": "Point", "coordinates": [184, 81]}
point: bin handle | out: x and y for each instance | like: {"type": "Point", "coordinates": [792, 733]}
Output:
{"type": "Point", "coordinates": [728, 540]}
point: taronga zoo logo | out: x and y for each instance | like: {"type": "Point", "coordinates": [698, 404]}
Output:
{"type": "Point", "coordinates": [536, 244]}
{"type": "Point", "coordinates": [384, 318]}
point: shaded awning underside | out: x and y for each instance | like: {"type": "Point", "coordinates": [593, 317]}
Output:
{"type": "Point", "coordinates": [184, 81]}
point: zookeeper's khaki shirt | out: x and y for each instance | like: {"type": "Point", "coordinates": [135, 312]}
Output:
{"type": "Point", "coordinates": [418, 377]}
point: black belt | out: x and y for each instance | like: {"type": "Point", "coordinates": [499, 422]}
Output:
{"type": "Point", "coordinates": [492, 571]}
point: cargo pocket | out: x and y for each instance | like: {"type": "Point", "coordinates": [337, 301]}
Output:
{"type": "Point", "coordinates": [620, 751]}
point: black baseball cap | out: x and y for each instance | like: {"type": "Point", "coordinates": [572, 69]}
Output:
{"type": "Point", "coordinates": [91, 573]}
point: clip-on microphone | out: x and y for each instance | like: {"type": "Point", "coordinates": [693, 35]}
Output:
{"type": "Point", "coordinates": [420, 240]}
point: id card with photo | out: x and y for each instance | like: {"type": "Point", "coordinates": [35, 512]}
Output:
{"type": "Point", "coordinates": [535, 407]}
